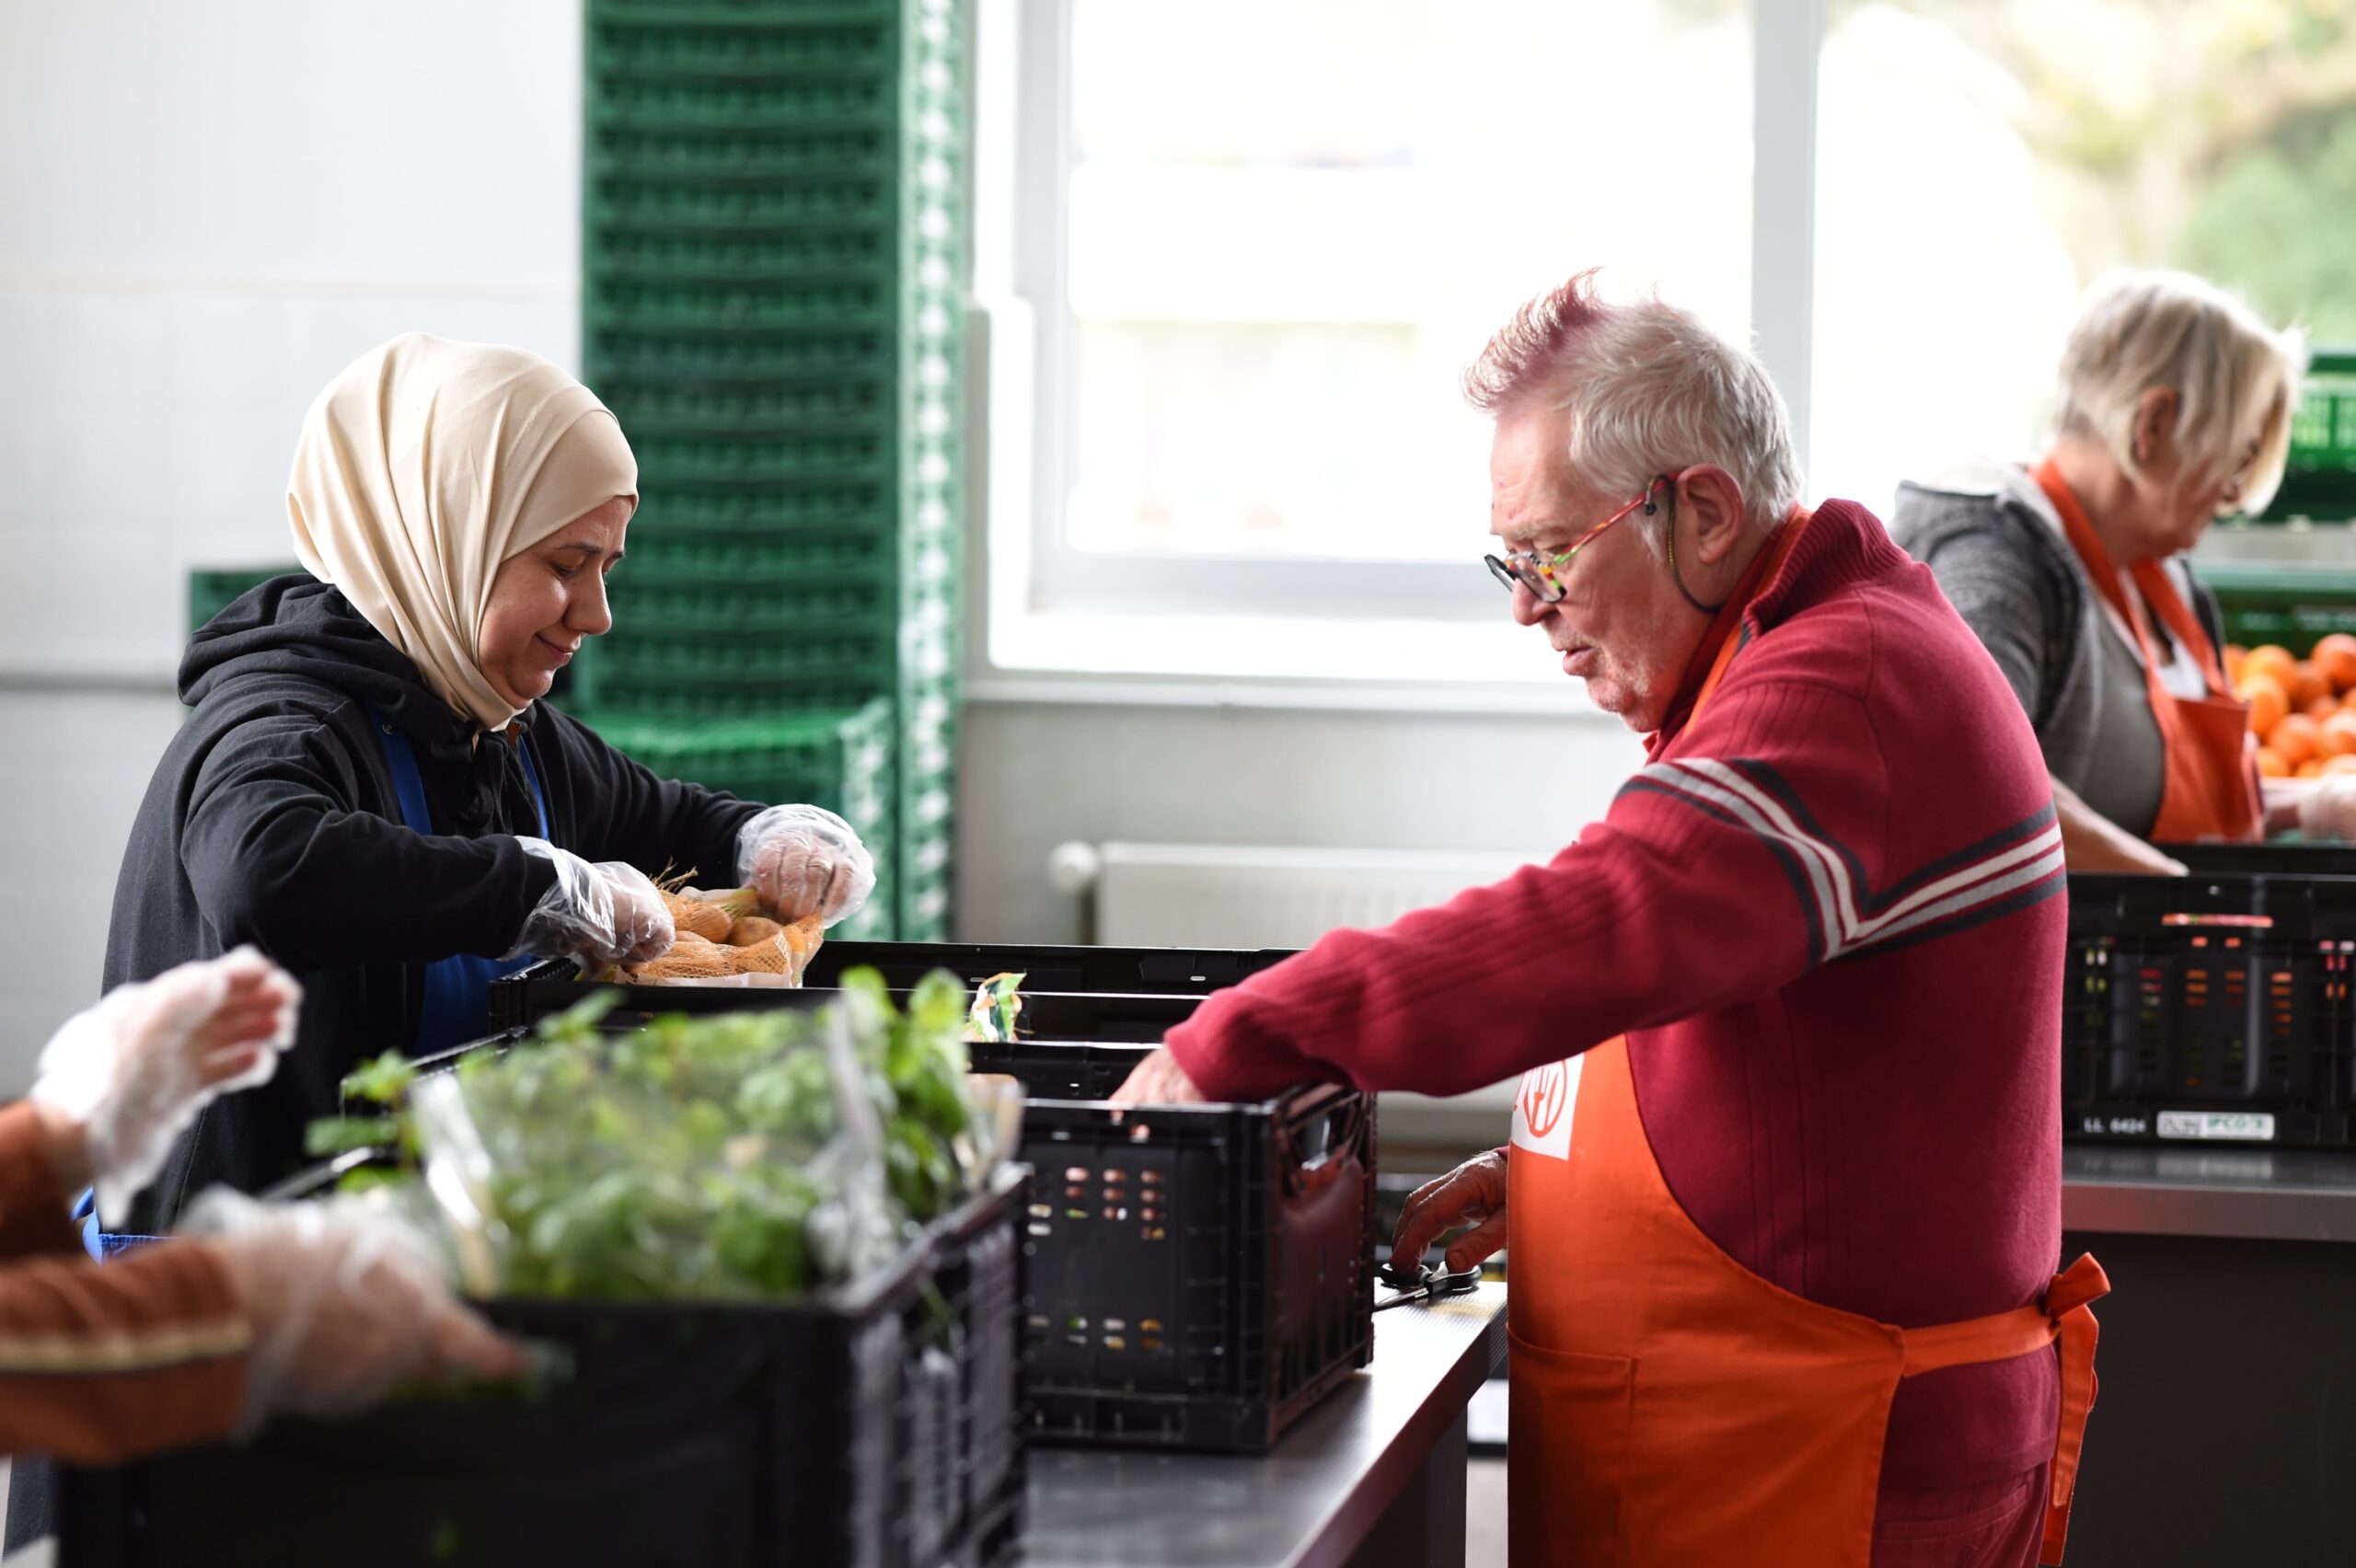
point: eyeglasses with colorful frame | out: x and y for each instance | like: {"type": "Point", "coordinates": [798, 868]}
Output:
{"type": "Point", "coordinates": [1542, 575]}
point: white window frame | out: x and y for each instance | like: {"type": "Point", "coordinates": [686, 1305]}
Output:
{"type": "Point", "coordinates": [1043, 610]}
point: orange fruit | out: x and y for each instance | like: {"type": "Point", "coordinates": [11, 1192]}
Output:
{"type": "Point", "coordinates": [2270, 763]}
{"type": "Point", "coordinates": [2341, 764]}
{"type": "Point", "coordinates": [2337, 734]}
{"type": "Point", "coordinates": [2295, 739]}
{"type": "Point", "coordinates": [2268, 703]}
{"type": "Point", "coordinates": [2307, 684]}
{"type": "Point", "coordinates": [2271, 659]}
{"type": "Point", "coordinates": [2311, 768]}
{"type": "Point", "coordinates": [2323, 708]}
{"type": "Point", "coordinates": [2234, 655]}
{"type": "Point", "coordinates": [2335, 656]}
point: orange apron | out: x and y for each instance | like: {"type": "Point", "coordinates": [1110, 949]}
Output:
{"type": "Point", "coordinates": [2210, 790]}
{"type": "Point", "coordinates": [1671, 1407]}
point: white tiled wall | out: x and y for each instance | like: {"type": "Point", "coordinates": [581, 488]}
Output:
{"type": "Point", "coordinates": [205, 212]}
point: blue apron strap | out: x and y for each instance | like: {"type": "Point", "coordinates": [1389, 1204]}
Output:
{"type": "Point", "coordinates": [456, 1006]}
{"type": "Point", "coordinates": [103, 1244]}
{"type": "Point", "coordinates": [532, 777]}
{"type": "Point", "coordinates": [409, 784]}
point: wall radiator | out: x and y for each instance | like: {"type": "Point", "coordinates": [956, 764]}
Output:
{"type": "Point", "coordinates": [1260, 896]}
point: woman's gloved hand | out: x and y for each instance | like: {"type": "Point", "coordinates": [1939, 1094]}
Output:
{"type": "Point", "coordinates": [2328, 810]}
{"type": "Point", "coordinates": [606, 912]}
{"type": "Point", "coordinates": [1472, 1194]}
{"type": "Point", "coordinates": [804, 861]}
{"type": "Point", "coordinates": [345, 1300]}
{"type": "Point", "coordinates": [120, 1081]}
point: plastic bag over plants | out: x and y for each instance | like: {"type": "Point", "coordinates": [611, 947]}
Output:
{"type": "Point", "coordinates": [740, 1156]}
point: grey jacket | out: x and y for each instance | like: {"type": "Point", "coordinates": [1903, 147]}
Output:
{"type": "Point", "coordinates": [1995, 544]}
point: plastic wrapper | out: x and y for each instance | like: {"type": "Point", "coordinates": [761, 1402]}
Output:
{"type": "Point", "coordinates": [606, 911]}
{"type": "Point", "coordinates": [804, 860]}
{"type": "Point", "coordinates": [737, 1155]}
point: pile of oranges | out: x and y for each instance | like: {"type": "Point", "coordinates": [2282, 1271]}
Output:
{"type": "Point", "coordinates": [2302, 711]}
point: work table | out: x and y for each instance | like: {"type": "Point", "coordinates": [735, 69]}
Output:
{"type": "Point", "coordinates": [1373, 1476]}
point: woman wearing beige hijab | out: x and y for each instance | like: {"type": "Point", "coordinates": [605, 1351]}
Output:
{"type": "Point", "coordinates": [369, 789]}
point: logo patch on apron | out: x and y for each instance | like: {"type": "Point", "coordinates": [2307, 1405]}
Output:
{"type": "Point", "coordinates": [1542, 1107]}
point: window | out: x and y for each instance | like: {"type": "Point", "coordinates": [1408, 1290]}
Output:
{"type": "Point", "coordinates": [1974, 174]}
{"type": "Point", "coordinates": [1280, 228]}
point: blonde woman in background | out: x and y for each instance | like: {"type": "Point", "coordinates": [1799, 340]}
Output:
{"type": "Point", "coordinates": [2175, 408]}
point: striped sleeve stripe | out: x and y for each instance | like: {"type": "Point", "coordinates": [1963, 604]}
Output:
{"type": "Point", "coordinates": [68, 1351]}
{"type": "Point", "coordinates": [1851, 914]}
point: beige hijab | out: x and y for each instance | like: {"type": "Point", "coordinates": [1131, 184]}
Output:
{"type": "Point", "coordinates": [424, 467]}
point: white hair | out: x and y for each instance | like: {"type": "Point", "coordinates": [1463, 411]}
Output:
{"type": "Point", "coordinates": [2230, 370]}
{"type": "Point", "coordinates": [1650, 390]}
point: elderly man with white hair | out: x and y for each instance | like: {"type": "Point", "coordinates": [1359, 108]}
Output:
{"type": "Point", "coordinates": [2176, 406]}
{"type": "Point", "coordinates": [1784, 1183]}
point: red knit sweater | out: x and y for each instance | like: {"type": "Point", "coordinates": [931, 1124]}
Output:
{"type": "Point", "coordinates": [1824, 916]}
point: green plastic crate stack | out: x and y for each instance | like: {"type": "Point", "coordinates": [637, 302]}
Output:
{"type": "Point", "coordinates": [2319, 477]}
{"type": "Point", "coordinates": [842, 761]}
{"type": "Point", "coordinates": [773, 266]}
{"type": "Point", "coordinates": [212, 590]}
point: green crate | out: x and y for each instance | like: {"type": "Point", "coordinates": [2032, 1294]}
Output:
{"type": "Point", "coordinates": [212, 590]}
{"type": "Point", "coordinates": [840, 759]}
{"type": "Point", "coordinates": [701, 158]}
{"type": "Point", "coordinates": [736, 461]}
{"type": "Point", "coordinates": [667, 359]}
{"type": "Point", "coordinates": [744, 258]}
{"type": "Point", "coordinates": [648, 409]}
{"type": "Point", "coordinates": [623, 104]}
{"type": "Point", "coordinates": [661, 555]}
{"type": "Point", "coordinates": [758, 517]}
{"type": "Point", "coordinates": [2319, 475]}
{"type": "Point", "coordinates": [650, 207]}
{"type": "Point", "coordinates": [716, 677]}
{"type": "Point", "coordinates": [804, 49]}
{"type": "Point", "coordinates": [679, 684]}
{"type": "Point", "coordinates": [2290, 605]}
{"type": "Point", "coordinates": [743, 15]}
{"type": "Point", "coordinates": [923, 910]}
{"type": "Point", "coordinates": [761, 306]}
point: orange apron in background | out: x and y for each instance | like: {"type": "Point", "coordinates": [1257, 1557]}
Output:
{"type": "Point", "coordinates": [1670, 1408]}
{"type": "Point", "coordinates": [2211, 790]}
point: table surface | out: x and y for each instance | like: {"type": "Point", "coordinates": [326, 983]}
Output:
{"type": "Point", "coordinates": [1310, 1500]}
{"type": "Point", "coordinates": [2239, 1192]}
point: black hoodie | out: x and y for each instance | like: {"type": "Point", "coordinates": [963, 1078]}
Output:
{"type": "Point", "coordinates": [272, 820]}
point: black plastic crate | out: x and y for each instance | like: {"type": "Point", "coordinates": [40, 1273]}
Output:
{"type": "Point", "coordinates": [2278, 858]}
{"type": "Point", "coordinates": [2210, 1007]}
{"type": "Point", "coordinates": [1199, 1275]}
{"type": "Point", "coordinates": [1163, 971]}
{"type": "Point", "coordinates": [529, 996]}
{"type": "Point", "coordinates": [856, 1427]}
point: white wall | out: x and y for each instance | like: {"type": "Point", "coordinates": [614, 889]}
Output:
{"type": "Point", "coordinates": [205, 212]}
{"type": "Point", "coordinates": [1037, 774]}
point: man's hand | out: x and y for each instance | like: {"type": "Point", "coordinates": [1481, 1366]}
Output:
{"type": "Point", "coordinates": [1158, 1080]}
{"type": "Point", "coordinates": [1474, 1195]}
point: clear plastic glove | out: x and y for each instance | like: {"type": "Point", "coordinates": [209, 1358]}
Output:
{"type": "Point", "coordinates": [345, 1301]}
{"type": "Point", "coordinates": [607, 912]}
{"type": "Point", "coordinates": [2329, 809]}
{"type": "Point", "coordinates": [1472, 1194]}
{"type": "Point", "coordinates": [804, 860]}
{"type": "Point", "coordinates": [132, 1072]}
